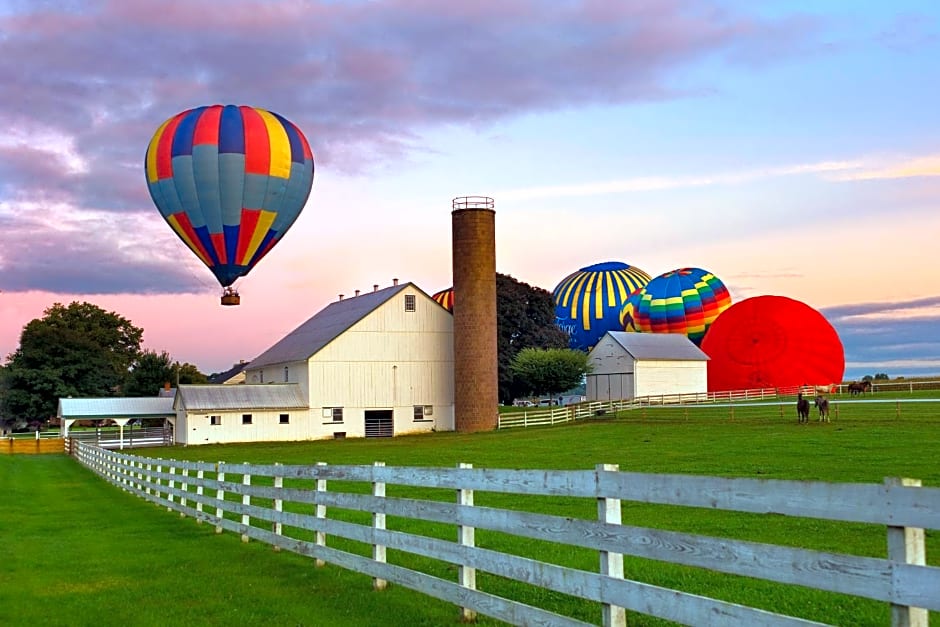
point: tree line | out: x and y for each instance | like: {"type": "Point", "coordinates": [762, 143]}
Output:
{"type": "Point", "coordinates": [81, 350]}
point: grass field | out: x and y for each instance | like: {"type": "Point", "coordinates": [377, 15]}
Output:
{"type": "Point", "coordinates": [74, 550]}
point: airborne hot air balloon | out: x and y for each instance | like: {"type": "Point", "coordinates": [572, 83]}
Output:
{"type": "Point", "coordinates": [772, 342]}
{"type": "Point", "coordinates": [230, 181]}
{"type": "Point", "coordinates": [588, 302]}
{"type": "Point", "coordinates": [687, 300]}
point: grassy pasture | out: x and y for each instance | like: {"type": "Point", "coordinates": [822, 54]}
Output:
{"type": "Point", "coordinates": [124, 560]}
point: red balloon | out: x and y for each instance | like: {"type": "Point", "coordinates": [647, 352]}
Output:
{"type": "Point", "coordinates": [772, 342]}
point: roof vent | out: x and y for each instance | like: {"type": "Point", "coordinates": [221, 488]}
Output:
{"type": "Point", "coordinates": [394, 281]}
{"type": "Point", "coordinates": [375, 287]}
{"type": "Point", "coordinates": [341, 297]}
{"type": "Point", "coordinates": [357, 292]}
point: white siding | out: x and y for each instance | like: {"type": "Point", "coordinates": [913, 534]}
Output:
{"type": "Point", "coordinates": [612, 376]}
{"type": "Point", "coordinates": [265, 427]}
{"type": "Point", "coordinates": [656, 377]}
{"type": "Point", "coordinates": [392, 359]}
{"type": "Point", "coordinates": [296, 373]}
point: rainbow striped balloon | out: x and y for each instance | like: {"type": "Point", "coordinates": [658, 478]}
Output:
{"type": "Point", "coordinates": [686, 301]}
{"type": "Point", "coordinates": [230, 181]}
{"type": "Point", "coordinates": [445, 298]}
{"type": "Point", "coordinates": [588, 302]}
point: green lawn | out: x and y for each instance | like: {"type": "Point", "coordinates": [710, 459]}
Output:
{"type": "Point", "coordinates": [127, 561]}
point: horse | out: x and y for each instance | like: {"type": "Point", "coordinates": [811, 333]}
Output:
{"type": "Point", "coordinates": [822, 404]}
{"type": "Point", "coordinates": [826, 389]}
{"type": "Point", "coordinates": [856, 388]}
{"type": "Point", "coordinates": [802, 408]}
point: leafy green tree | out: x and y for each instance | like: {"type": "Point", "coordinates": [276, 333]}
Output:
{"type": "Point", "coordinates": [881, 376]}
{"type": "Point", "coordinates": [867, 377]}
{"type": "Point", "coordinates": [78, 350]}
{"type": "Point", "coordinates": [549, 370]}
{"type": "Point", "coordinates": [525, 318]}
{"type": "Point", "coordinates": [154, 370]}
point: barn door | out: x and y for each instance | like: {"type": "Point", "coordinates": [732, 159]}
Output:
{"type": "Point", "coordinates": [379, 423]}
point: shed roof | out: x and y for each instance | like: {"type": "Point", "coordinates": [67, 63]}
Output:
{"type": "Point", "coordinates": [328, 324]}
{"type": "Point", "coordinates": [89, 408]}
{"type": "Point", "coordinates": [673, 346]}
{"type": "Point", "coordinates": [232, 397]}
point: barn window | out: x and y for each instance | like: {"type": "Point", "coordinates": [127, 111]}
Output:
{"type": "Point", "coordinates": [285, 419]}
{"type": "Point", "coordinates": [422, 412]}
{"type": "Point", "coordinates": [215, 420]}
{"type": "Point", "coordinates": [286, 374]}
{"type": "Point", "coordinates": [333, 413]}
{"type": "Point", "coordinates": [261, 374]}
{"type": "Point", "coordinates": [246, 419]}
{"type": "Point", "coordinates": [409, 302]}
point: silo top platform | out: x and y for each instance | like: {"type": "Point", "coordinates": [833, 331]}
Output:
{"type": "Point", "coordinates": [473, 202]}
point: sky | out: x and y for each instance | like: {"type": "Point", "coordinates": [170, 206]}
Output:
{"type": "Point", "coordinates": [791, 148]}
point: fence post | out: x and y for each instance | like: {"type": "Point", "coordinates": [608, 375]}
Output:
{"type": "Point", "coordinates": [149, 477]}
{"type": "Point", "coordinates": [200, 475]}
{"type": "Point", "coordinates": [466, 536]}
{"type": "Point", "coordinates": [246, 500]}
{"type": "Point", "coordinates": [608, 511]}
{"type": "Point", "coordinates": [170, 484]}
{"type": "Point", "coordinates": [378, 523]}
{"type": "Point", "coordinates": [184, 486]}
{"type": "Point", "coordinates": [219, 496]}
{"type": "Point", "coordinates": [897, 409]}
{"type": "Point", "coordinates": [277, 527]}
{"type": "Point", "coordinates": [156, 489]}
{"type": "Point", "coordinates": [906, 546]}
{"type": "Point", "coordinates": [321, 513]}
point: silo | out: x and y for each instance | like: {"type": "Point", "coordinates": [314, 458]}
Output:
{"type": "Point", "coordinates": [476, 393]}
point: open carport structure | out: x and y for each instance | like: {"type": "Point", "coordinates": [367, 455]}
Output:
{"type": "Point", "coordinates": [119, 410]}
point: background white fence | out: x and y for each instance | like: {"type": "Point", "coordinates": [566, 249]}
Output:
{"type": "Point", "coordinates": [253, 501]}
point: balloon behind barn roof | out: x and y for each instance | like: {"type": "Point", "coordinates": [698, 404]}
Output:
{"type": "Point", "coordinates": [588, 302]}
{"type": "Point", "coordinates": [445, 298]}
{"type": "Point", "coordinates": [772, 342]}
{"type": "Point", "coordinates": [686, 300]}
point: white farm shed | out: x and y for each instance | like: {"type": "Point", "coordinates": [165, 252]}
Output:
{"type": "Point", "coordinates": [631, 365]}
{"type": "Point", "coordinates": [373, 365]}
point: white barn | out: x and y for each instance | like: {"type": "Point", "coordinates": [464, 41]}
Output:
{"type": "Point", "coordinates": [631, 365]}
{"type": "Point", "coordinates": [374, 365]}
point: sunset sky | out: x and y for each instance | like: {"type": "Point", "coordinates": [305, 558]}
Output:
{"type": "Point", "coordinates": [791, 148]}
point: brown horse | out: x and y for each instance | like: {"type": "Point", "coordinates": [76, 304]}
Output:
{"type": "Point", "coordinates": [856, 387]}
{"type": "Point", "coordinates": [802, 408]}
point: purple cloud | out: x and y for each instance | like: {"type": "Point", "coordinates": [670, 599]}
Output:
{"type": "Point", "coordinates": [362, 79]}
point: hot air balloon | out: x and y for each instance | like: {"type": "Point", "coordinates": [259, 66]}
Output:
{"type": "Point", "coordinates": [687, 300]}
{"type": "Point", "coordinates": [772, 342]}
{"type": "Point", "coordinates": [628, 313]}
{"type": "Point", "coordinates": [445, 298]}
{"type": "Point", "coordinates": [230, 181]}
{"type": "Point", "coordinates": [588, 302]}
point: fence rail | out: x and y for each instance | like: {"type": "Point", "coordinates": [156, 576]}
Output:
{"type": "Point", "coordinates": [253, 501]}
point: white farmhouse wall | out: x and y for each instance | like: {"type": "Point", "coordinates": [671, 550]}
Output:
{"type": "Point", "coordinates": [296, 372]}
{"type": "Point", "coordinates": [392, 359]}
{"type": "Point", "coordinates": [196, 428]}
{"type": "Point", "coordinates": [655, 377]}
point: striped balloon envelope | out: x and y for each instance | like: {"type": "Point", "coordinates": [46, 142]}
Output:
{"type": "Point", "coordinates": [445, 298]}
{"type": "Point", "coordinates": [686, 301]}
{"type": "Point", "coordinates": [588, 302]}
{"type": "Point", "coordinates": [230, 181]}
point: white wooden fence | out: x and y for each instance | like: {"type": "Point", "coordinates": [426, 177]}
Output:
{"type": "Point", "coordinates": [226, 495]}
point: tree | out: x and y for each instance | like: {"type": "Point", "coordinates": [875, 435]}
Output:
{"type": "Point", "coordinates": [79, 350]}
{"type": "Point", "coordinates": [881, 376]}
{"type": "Point", "coordinates": [525, 317]}
{"type": "Point", "coordinates": [154, 370]}
{"type": "Point", "coordinates": [550, 370]}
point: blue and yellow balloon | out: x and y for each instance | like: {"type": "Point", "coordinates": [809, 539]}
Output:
{"type": "Point", "coordinates": [230, 181]}
{"type": "Point", "coordinates": [588, 302]}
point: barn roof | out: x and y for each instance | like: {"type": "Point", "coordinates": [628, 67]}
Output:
{"type": "Point", "coordinates": [232, 397]}
{"type": "Point", "coordinates": [88, 408]}
{"type": "Point", "coordinates": [672, 346]}
{"type": "Point", "coordinates": [328, 324]}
